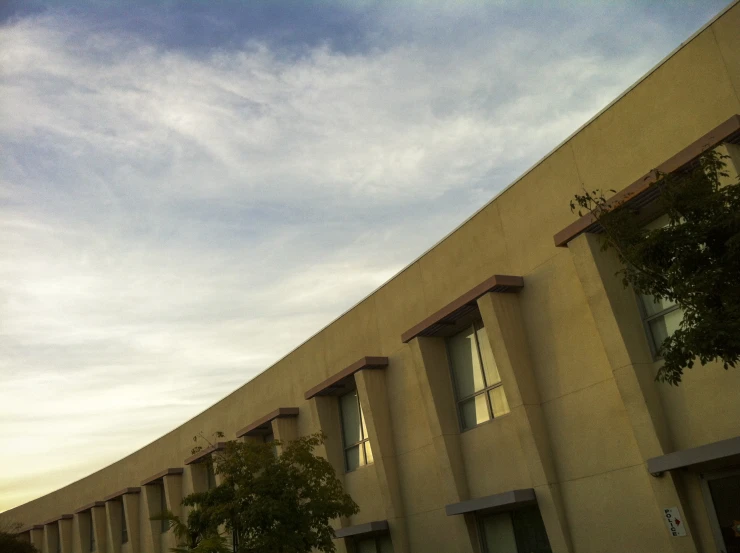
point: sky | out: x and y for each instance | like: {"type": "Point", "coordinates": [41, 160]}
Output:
{"type": "Point", "coordinates": [189, 189]}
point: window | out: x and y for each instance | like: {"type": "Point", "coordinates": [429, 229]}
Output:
{"type": "Point", "coordinates": [124, 528]}
{"type": "Point", "coordinates": [721, 491]}
{"type": "Point", "coordinates": [519, 531]}
{"type": "Point", "coordinates": [92, 533]}
{"type": "Point", "coordinates": [59, 539]}
{"type": "Point", "coordinates": [269, 438]}
{"type": "Point", "coordinates": [357, 450]}
{"type": "Point", "coordinates": [663, 317]}
{"type": "Point", "coordinates": [164, 524]}
{"type": "Point", "coordinates": [380, 544]}
{"type": "Point", "coordinates": [479, 393]}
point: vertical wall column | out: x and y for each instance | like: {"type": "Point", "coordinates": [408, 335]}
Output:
{"type": "Point", "coordinates": [502, 320]}
{"type": "Point", "coordinates": [432, 372]}
{"type": "Point", "coordinates": [37, 537]}
{"type": "Point", "coordinates": [114, 512]}
{"type": "Point", "coordinates": [373, 394]}
{"type": "Point", "coordinates": [65, 533]}
{"type": "Point", "coordinates": [284, 429]}
{"type": "Point", "coordinates": [151, 506]}
{"type": "Point", "coordinates": [98, 518]}
{"type": "Point", "coordinates": [130, 507]}
{"type": "Point", "coordinates": [325, 415]}
{"type": "Point", "coordinates": [618, 320]}
{"type": "Point", "coordinates": [173, 497]}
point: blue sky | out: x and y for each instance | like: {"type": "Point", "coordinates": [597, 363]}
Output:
{"type": "Point", "coordinates": [189, 190]}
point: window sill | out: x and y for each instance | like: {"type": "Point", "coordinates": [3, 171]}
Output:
{"type": "Point", "coordinates": [489, 421]}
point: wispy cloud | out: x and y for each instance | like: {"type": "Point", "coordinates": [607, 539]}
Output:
{"type": "Point", "coordinates": [175, 221]}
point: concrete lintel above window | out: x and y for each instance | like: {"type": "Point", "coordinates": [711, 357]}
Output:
{"type": "Point", "coordinates": [639, 191]}
{"type": "Point", "coordinates": [491, 503]}
{"type": "Point", "coordinates": [121, 493]}
{"type": "Point", "coordinates": [263, 426]}
{"type": "Point", "coordinates": [155, 478]}
{"type": "Point", "coordinates": [710, 456]}
{"type": "Point", "coordinates": [363, 530]}
{"type": "Point", "coordinates": [204, 453]}
{"type": "Point", "coordinates": [90, 506]}
{"type": "Point", "coordinates": [57, 519]}
{"type": "Point", "coordinates": [343, 381]}
{"type": "Point", "coordinates": [461, 312]}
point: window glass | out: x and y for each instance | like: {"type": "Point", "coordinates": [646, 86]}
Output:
{"type": "Point", "coordinates": [92, 533]}
{"type": "Point", "coordinates": [725, 493]}
{"type": "Point", "coordinates": [385, 545]}
{"type": "Point", "coordinates": [498, 534]}
{"type": "Point", "coordinates": [380, 544]}
{"type": "Point", "coordinates": [664, 326]}
{"type": "Point", "coordinates": [366, 546]}
{"type": "Point", "coordinates": [463, 352]}
{"type": "Point", "coordinates": [352, 456]}
{"type": "Point", "coordinates": [474, 411]}
{"type": "Point", "coordinates": [351, 422]}
{"type": "Point", "coordinates": [499, 403]}
{"type": "Point", "coordinates": [489, 363]}
{"type": "Point", "coordinates": [210, 474]}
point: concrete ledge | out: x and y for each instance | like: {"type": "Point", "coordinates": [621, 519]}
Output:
{"type": "Point", "coordinates": [336, 384]}
{"type": "Point", "coordinates": [367, 529]}
{"type": "Point", "coordinates": [447, 321]}
{"type": "Point", "coordinates": [698, 457]}
{"type": "Point", "coordinates": [497, 502]}
{"type": "Point", "coordinates": [203, 453]}
{"type": "Point", "coordinates": [712, 139]}
{"type": "Point", "coordinates": [90, 506]}
{"type": "Point", "coordinates": [262, 425]}
{"type": "Point", "coordinates": [57, 519]}
{"type": "Point", "coordinates": [120, 493]}
{"type": "Point", "coordinates": [160, 475]}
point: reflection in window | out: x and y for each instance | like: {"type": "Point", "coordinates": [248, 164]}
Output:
{"type": "Point", "coordinates": [480, 395]}
{"type": "Point", "coordinates": [519, 531]}
{"type": "Point", "coordinates": [379, 544]}
{"type": "Point", "coordinates": [357, 451]}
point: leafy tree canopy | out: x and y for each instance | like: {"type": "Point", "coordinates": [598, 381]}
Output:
{"type": "Point", "coordinates": [11, 543]}
{"type": "Point", "coordinates": [693, 261]}
{"type": "Point", "coordinates": [273, 504]}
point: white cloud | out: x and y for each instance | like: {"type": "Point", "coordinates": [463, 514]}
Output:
{"type": "Point", "coordinates": [174, 223]}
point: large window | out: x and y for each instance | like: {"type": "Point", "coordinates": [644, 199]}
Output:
{"type": "Point", "coordinates": [357, 451]}
{"type": "Point", "coordinates": [519, 531]}
{"type": "Point", "coordinates": [663, 317]}
{"type": "Point", "coordinates": [379, 544]}
{"type": "Point", "coordinates": [480, 395]}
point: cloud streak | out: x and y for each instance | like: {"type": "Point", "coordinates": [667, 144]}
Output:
{"type": "Point", "coordinates": [174, 220]}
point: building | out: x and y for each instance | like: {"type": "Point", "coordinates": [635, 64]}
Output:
{"type": "Point", "coordinates": [505, 377]}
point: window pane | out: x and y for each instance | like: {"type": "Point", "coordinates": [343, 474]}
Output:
{"type": "Point", "coordinates": [352, 455]}
{"type": "Point", "coordinates": [92, 533]}
{"type": "Point", "coordinates": [489, 363]}
{"type": "Point", "coordinates": [210, 475]}
{"type": "Point", "coordinates": [662, 327]}
{"type": "Point", "coordinates": [124, 529]}
{"type": "Point", "coordinates": [474, 411]}
{"type": "Point", "coordinates": [498, 534]}
{"type": "Point", "coordinates": [499, 404]}
{"type": "Point", "coordinates": [385, 545]}
{"type": "Point", "coordinates": [529, 530]}
{"type": "Point", "coordinates": [465, 363]}
{"type": "Point", "coordinates": [366, 546]}
{"type": "Point", "coordinates": [725, 493]}
{"type": "Point", "coordinates": [368, 453]}
{"type": "Point", "coordinates": [165, 524]}
{"type": "Point", "coordinates": [351, 423]}
{"type": "Point", "coordinates": [652, 307]}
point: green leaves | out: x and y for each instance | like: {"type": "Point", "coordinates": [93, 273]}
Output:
{"type": "Point", "coordinates": [693, 261]}
{"type": "Point", "coordinates": [273, 504]}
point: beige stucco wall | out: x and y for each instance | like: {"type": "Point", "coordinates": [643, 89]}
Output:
{"type": "Point", "coordinates": [607, 499]}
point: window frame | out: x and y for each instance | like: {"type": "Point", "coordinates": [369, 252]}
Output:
{"type": "Point", "coordinates": [363, 440]}
{"type": "Point", "coordinates": [485, 390]}
{"type": "Point", "coordinates": [647, 319]}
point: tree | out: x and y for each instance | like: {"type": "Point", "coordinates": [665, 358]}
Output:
{"type": "Point", "coordinates": [11, 543]}
{"type": "Point", "coordinates": [693, 261]}
{"type": "Point", "coordinates": [268, 503]}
